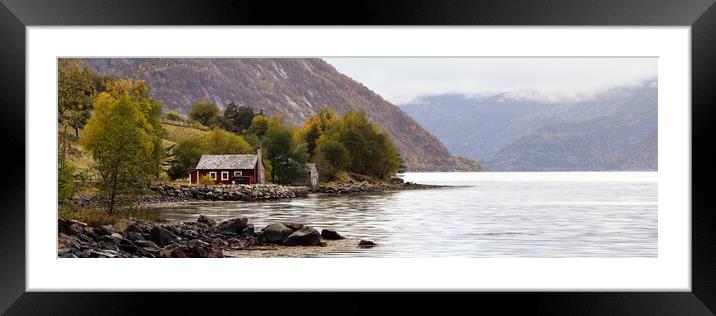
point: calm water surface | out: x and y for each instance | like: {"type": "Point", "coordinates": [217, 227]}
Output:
{"type": "Point", "coordinates": [511, 214]}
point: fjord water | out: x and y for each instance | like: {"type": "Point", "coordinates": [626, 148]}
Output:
{"type": "Point", "coordinates": [488, 214]}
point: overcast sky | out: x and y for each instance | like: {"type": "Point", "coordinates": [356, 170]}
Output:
{"type": "Point", "coordinates": [400, 80]}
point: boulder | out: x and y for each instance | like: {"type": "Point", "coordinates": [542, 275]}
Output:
{"type": "Point", "coordinates": [396, 180]}
{"type": "Point", "coordinates": [128, 246]}
{"type": "Point", "coordinates": [134, 236]}
{"type": "Point", "coordinates": [306, 236]}
{"type": "Point", "coordinates": [331, 234]}
{"type": "Point", "coordinates": [234, 225]}
{"type": "Point", "coordinates": [276, 233]}
{"type": "Point", "coordinates": [163, 237]}
{"type": "Point", "coordinates": [146, 244]}
{"type": "Point", "coordinates": [206, 220]}
{"type": "Point", "coordinates": [293, 226]}
{"type": "Point", "coordinates": [134, 228]}
{"type": "Point", "coordinates": [250, 231]}
{"type": "Point", "coordinates": [71, 227]}
{"type": "Point", "coordinates": [104, 230]}
{"type": "Point", "coordinates": [366, 243]}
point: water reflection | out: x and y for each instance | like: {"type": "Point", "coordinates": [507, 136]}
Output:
{"type": "Point", "coordinates": [557, 216]}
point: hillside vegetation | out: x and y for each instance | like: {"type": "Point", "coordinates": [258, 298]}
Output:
{"type": "Point", "coordinates": [295, 88]}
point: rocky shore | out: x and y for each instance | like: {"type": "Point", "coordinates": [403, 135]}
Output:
{"type": "Point", "coordinates": [203, 238]}
{"type": "Point", "coordinates": [168, 193]}
{"type": "Point", "coordinates": [395, 184]}
{"type": "Point", "coordinates": [234, 192]}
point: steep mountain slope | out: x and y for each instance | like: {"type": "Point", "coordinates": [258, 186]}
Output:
{"type": "Point", "coordinates": [607, 132]}
{"type": "Point", "coordinates": [293, 87]}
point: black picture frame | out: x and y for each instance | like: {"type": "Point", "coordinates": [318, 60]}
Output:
{"type": "Point", "coordinates": [15, 15]}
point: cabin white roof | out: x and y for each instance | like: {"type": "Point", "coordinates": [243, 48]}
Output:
{"type": "Point", "coordinates": [208, 162]}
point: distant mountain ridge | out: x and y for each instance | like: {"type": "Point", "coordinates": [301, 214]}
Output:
{"type": "Point", "coordinates": [293, 87]}
{"type": "Point", "coordinates": [613, 130]}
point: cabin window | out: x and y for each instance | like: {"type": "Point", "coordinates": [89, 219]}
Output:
{"type": "Point", "coordinates": [237, 173]}
{"type": "Point", "coordinates": [212, 175]}
{"type": "Point", "coordinates": [224, 175]}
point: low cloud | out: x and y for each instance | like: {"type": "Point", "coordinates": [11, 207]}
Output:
{"type": "Point", "coordinates": [401, 80]}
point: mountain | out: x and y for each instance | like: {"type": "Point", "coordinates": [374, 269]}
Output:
{"type": "Point", "coordinates": [613, 130]}
{"type": "Point", "coordinates": [293, 87]}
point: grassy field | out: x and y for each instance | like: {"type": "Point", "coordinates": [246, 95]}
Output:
{"type": "Point", "coordinates": [175, 134]}
{"type": "Point", "coordinates": [172, 135]}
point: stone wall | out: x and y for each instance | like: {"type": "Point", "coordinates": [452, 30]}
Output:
{"type": "Point", "coordinates": [235, 192]}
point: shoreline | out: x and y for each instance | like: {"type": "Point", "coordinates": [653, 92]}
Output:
{"type": "Point", "coordinates": [203, 238]}
{"type": "Point", "coordinates": [137, 237]}
{"type": "Point", "coordinates": [173, 194]}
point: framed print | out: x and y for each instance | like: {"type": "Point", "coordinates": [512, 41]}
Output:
{"type": "Point", "coordinates": [548, 152]}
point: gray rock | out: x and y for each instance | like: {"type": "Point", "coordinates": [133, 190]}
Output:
{"type": "Point", "coordinates": [306, 236]}
{"type": "Point", "coordinates": [134, 236]}
{"type": "Point", "coordinates": [163, 237]}
{"type": "Point", "coordinates": [276, 233]}
{"type": "Point", "coordinates": [234, 225]}
{"type": "Point", "coordinates": [146, 244]}
{"type": "Point", "coordinates": [128, 246]}
{"type": "Point", "coordinates": [104, 230]}
{"type": "Point", "coordinates": [331, 234]}
{"type": "Point", "coordinates": [366, 243]}
{"type": "Point", "coordinates": [293, 226]}
{"type": "Point", "coordinates": [134, 228]}
{"type": "Point", "coordinates": [206, 220]}
{"type": "Point", "coordinates": [250, 231]}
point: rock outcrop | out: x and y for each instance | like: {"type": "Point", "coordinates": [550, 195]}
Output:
{"type": "Point", "coordinates": [177, 239]}
{"type": "Point", "coordinates": [234, 192]}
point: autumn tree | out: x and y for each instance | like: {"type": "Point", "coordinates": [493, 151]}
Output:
{"type": "Point", "coordinates": [205, 113]}
{"type": "Point", "coordinates": [259, 125]}
{"type": "Point", "coordinates": [221, 142]}
{"type": "Point", "coordinates": [138, 93]}
{"type": "Point", "coordinates": [75, 90]}
{"type": "Point", "coordinates": [117, 137]}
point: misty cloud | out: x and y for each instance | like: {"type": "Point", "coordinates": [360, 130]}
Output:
{"type": "Point", "coordinates": [400, 80]}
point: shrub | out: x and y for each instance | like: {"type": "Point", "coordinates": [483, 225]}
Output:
{"type": "Point", "coordinates": [173, 115]}
{"type": "Point", "coordinates": [66, 183]}
{"type": "Point", "coordinates": [70, 180]}
{"type": "Point", "coordinates": [206, 179]}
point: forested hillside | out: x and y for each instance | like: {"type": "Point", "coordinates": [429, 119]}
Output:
{"type": "Point", "coordinates": [293, 87]}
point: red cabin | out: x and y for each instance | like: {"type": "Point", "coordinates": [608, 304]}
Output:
{"type": "Point", "coordinates": [230, 169]}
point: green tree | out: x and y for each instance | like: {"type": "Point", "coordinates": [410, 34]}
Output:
{"type": "Point", "coordinates": [75, 90]}
{"type": "Point", "coordinates": [357, 147]}
{"type": "Point", "coordinates": [259, 125]}
{"type": "Point", "coordinates": [151, 110]}
{"type": "Point", "coordinates": [287, 160]}
{"type": "Point", "coordinates": [205, 113]}
{"type": "Point", "coordinates": [220, 142]}
{"type": "Point", "coordinates": [117, 137]}
{"type": "Point", "coordinates": [371, 150]}
{"type": "Point", "coordinates": [237, 119]}
{"type": "Point", "coordinates": [331, 157]}
{"type": "Point", "coordinates": [186, 156]}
